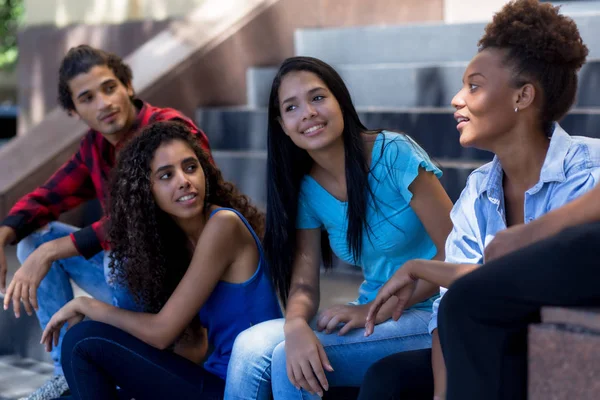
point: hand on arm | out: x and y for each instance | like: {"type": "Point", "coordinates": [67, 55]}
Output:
{"type": "Point", "coordinates": [27, 279]}
{"type": "Point", "coordinates": [403, 284]}
{"type": "Point", "coordinates": [351, 316]}
{"type": "Point", "coordinates": [432, 205]}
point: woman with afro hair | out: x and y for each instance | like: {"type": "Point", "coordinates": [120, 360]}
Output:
{"type": "Point", "coordinates": [522, 81]}
{"type": "Point", "coordinates": [186, 245]}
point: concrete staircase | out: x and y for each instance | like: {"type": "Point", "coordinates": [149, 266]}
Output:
{"type": "Point", "coordinates": [401, 78]}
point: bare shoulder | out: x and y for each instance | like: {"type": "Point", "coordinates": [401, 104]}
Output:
{"type": "Point", "coordinates": [226, 225]}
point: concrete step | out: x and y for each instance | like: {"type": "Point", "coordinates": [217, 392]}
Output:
{"type": "Point", "coordinates": [415, 43]}
{"type": "Point", "coordinates": [21, 376]}
{"type": "Point", "coordinates": [564, 362]}
{"type": "Point", "coordinates": [409, 84]}
{"type": "Point", "coordinates": [380, 85]}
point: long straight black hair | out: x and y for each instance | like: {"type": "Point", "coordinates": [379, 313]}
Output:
{"type": "Point", "coordinates": [287, 164]}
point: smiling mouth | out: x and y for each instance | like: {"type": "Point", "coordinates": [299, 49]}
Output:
{"type": "Point", "coordinates": [187, 197]}
{"type": "Point", "coordinates": [313, 129]}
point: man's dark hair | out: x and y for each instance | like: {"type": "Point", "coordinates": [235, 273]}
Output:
{"type": "Point", "coordinates": [79, 60]}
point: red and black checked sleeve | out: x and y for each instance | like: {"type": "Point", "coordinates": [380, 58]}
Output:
{"type": "Point", "coordinates": [91, 239]}
{"type": "Point", "coordinates": [70, 186]}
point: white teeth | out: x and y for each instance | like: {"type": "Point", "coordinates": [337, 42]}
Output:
{"type": "Point", "coordinates": [186, 198]}
{"type": "Point", "coordinates": [462, 119]}
{"type": "Point", "coordinates": [314, 128]}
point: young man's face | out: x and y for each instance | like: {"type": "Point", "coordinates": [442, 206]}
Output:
{"type": "Point", "coordinates": [103, 102]}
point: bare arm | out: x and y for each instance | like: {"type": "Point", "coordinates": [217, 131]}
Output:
{"type": "Point", "coordinates": [7, 235]}
{"type": "Point", "coordinates": [303, 300]}
{"type": "Point", "coordinates": [439, 367]}
{"type": "Point", "coordinates": [432, 205]}
{"type": "Point", "coordinates": [305, 356]}
{"type": "Point", "coordinates": [438, 272]}
{"type": "Point", "coordinates": [211, 259]}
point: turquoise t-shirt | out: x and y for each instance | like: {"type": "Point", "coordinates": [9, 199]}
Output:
{"type": "Point", "coordinates": [395, 233]}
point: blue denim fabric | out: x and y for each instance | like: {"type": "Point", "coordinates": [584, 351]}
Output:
{"type": "Point", "coordinates": [257, 366]}
{"type": "Point", "coordinates": [55, 289]}
{"type": "Point", "coordinates": [571, 168]}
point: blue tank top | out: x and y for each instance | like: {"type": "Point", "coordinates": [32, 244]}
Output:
{"type": "Point", "coordinates": [234, 307]}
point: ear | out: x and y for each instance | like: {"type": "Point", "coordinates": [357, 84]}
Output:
{"type": "Point", "coordinates": [130, 91]}
{"type": "Point", "coordinates": [73, 113]}
{"type": "Point", "coordinates": [525, 96]}
{"type": "Point", "coordinates": [282, 126]}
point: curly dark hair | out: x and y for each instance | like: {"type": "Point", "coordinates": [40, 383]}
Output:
{"type": "Point", "coordinates": [148, 250]}
{"type": "Point", "coordinates": [79, 60]}
{"type": "Point", "coordinates": [544, 48]}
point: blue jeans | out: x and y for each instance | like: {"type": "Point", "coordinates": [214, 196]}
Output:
{"type": "Point", "coordinates": [55, 289]}
{"type": "Point", "coordinates": [99, 357]}
{"type": "Point", "coordinates": [257, 366]}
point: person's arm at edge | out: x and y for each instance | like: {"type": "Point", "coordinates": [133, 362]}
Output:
{"type": "Point", "coordinates": [585, 209]}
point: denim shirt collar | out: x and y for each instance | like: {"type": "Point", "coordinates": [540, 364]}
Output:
{"type": "Point", "coordinates": [552, 169]}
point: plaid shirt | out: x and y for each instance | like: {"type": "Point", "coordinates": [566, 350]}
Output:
{"type": "Point", "coordinates": [85, 177]}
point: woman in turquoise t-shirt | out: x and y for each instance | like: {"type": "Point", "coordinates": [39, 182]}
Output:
{"type": "Point", "coordinates": [375, 197]}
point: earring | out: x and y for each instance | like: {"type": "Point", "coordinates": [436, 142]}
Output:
{"type": "Point", "coordinates": [516, 109]}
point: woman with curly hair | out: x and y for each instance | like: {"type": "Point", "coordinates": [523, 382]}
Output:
{"type": "Point", "coordinates": [185, 243]}
{"type": "Point", "coordinates": [523, 80]}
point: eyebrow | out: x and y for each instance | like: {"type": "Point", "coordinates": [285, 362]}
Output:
{"type": "Point", "coordinates": [109, 80]}
{"type": "Point", "coordinates": [311, 91]}
{"type": "Point", "coordinates": [475, 74]}
{"type": "Point", "coordinates": [169, 166]}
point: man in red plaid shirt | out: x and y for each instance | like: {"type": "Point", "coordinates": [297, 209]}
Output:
{"type": "Point", "coordinates": [95, 86]}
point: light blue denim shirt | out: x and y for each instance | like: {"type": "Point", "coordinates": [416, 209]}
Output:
{"type": "Point", "coordinates": [571, 168]}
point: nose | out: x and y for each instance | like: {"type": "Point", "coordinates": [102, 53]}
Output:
{"type": "Point", "coordinates": [184, 184]}
{"type": "Point", "coordinates": [309, 111]}
{"type": "Point", "coordinates": [458, 101]}
{"type": "Point", "coordinates": [183, 181]}
{"type": "Point", "coordinates": [103, 101]}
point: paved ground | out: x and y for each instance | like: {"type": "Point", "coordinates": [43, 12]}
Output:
{"type": "Point", "coordinates": [20, 376]}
